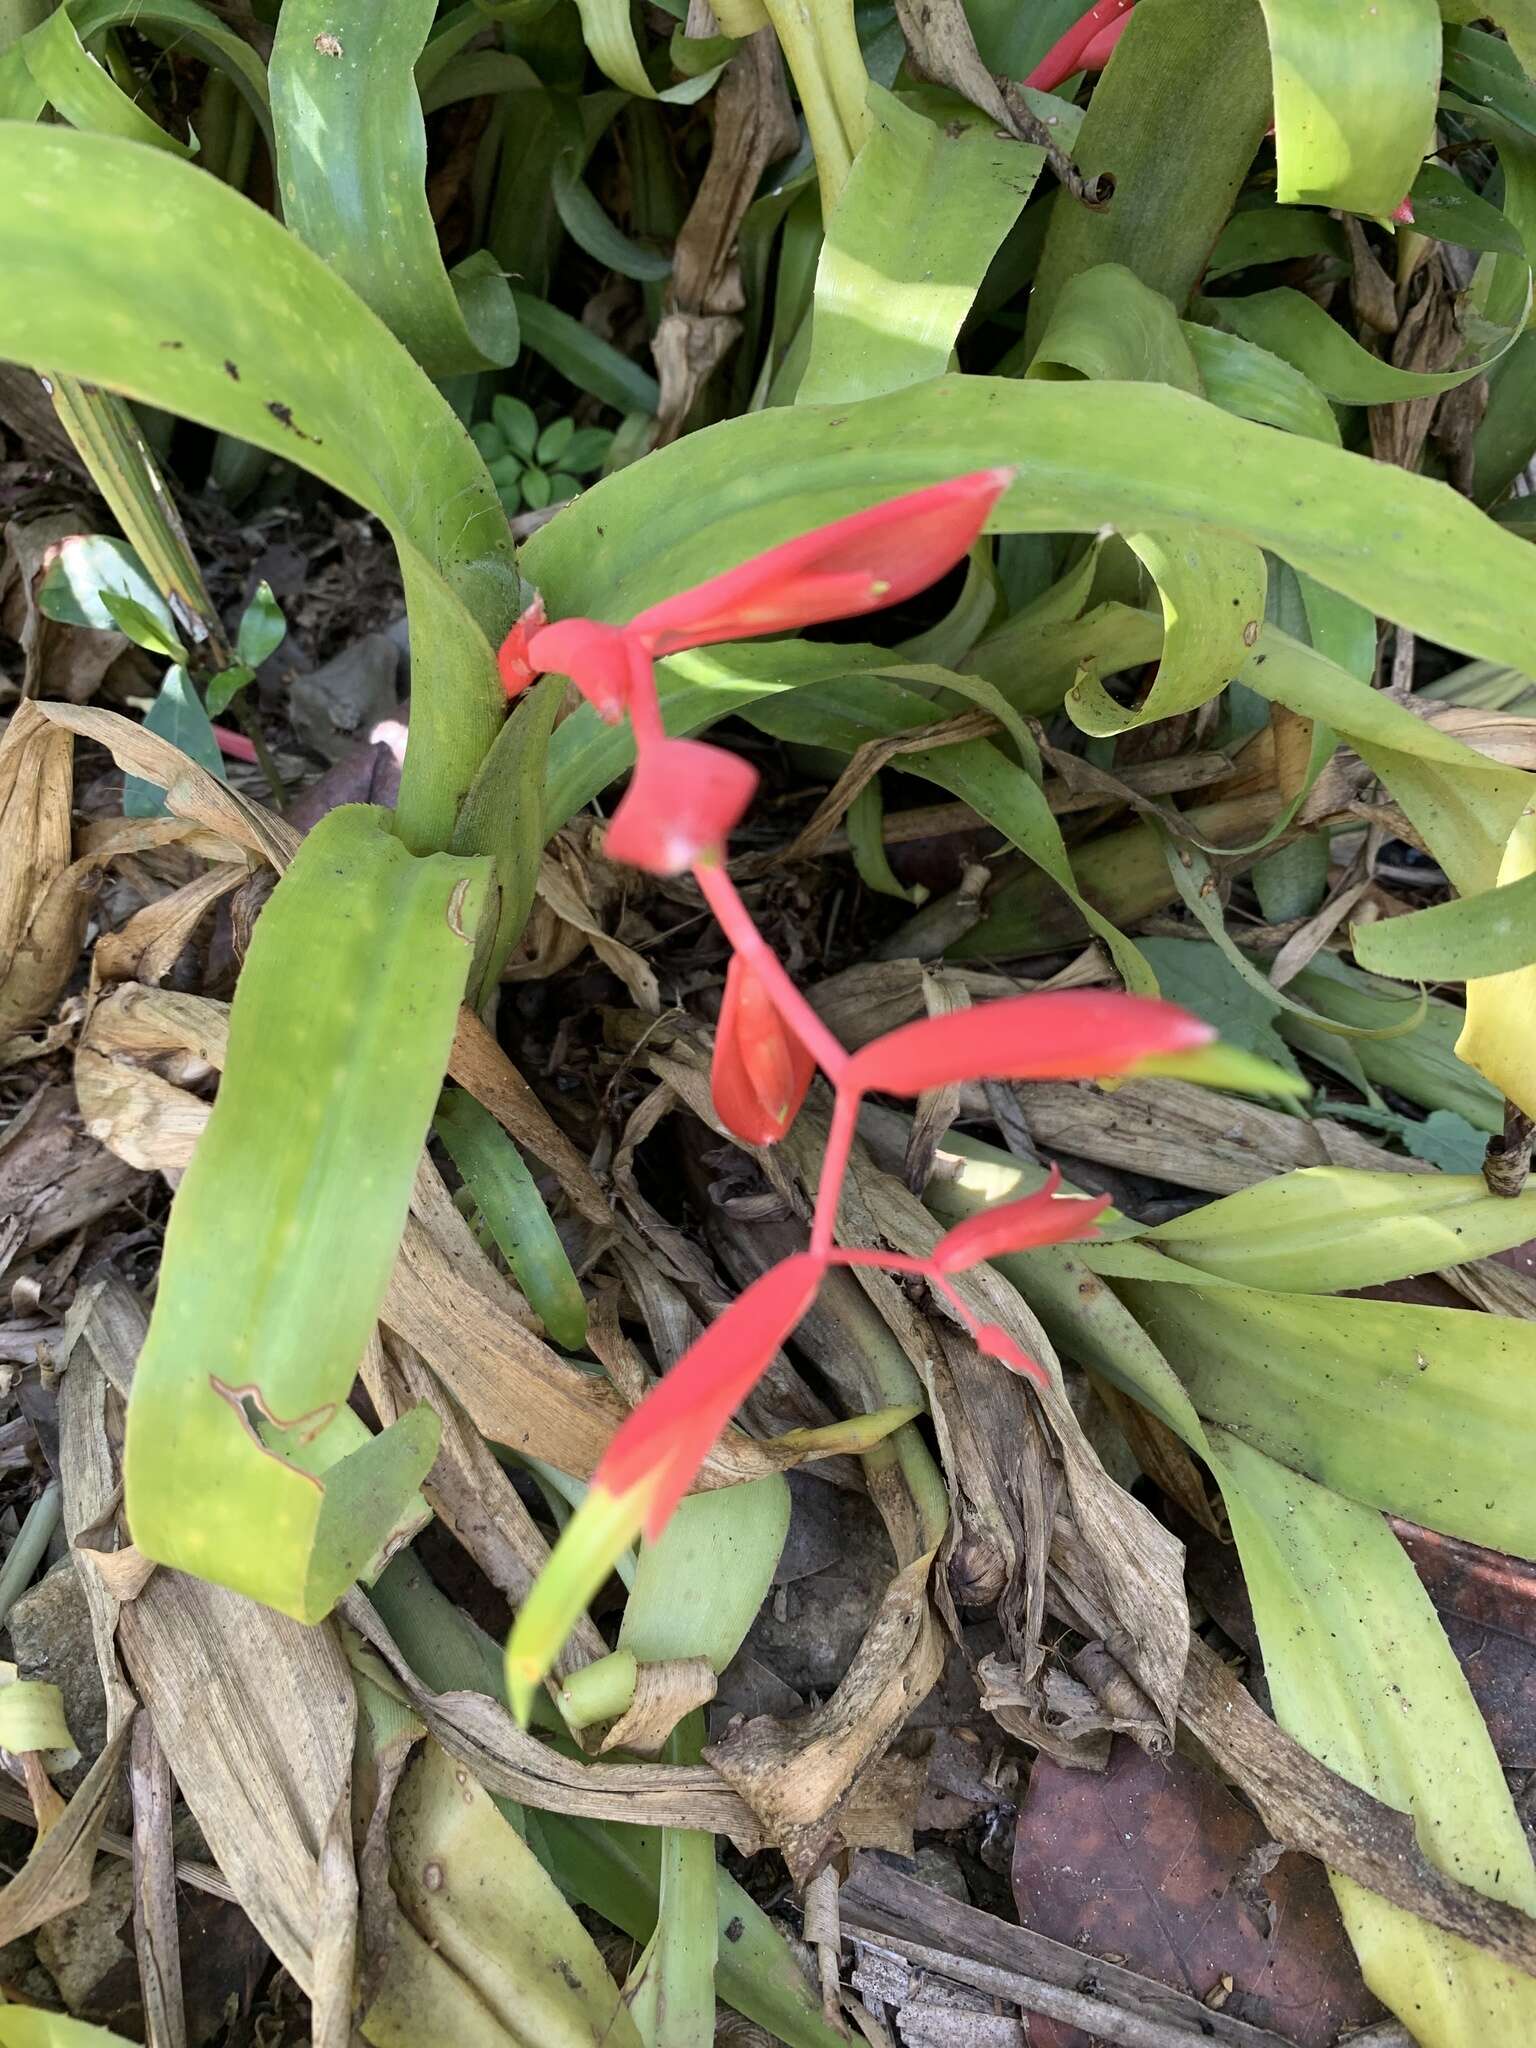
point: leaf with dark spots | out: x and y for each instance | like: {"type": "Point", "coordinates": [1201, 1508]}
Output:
{"type": "Point", "coordinates": [1156, 1865]}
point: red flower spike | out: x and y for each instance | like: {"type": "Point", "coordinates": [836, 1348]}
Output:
{"type": "Point", "coordinates": [871, 559]}
{"type": "Point", "coordinates": [1402, 213]}
{"type": "Point", "coordinates": [661, 1444]}
{"type": "Point", "coordinates": [517, 671]}
{"type": "Point", "coordinates": [1041, 1218]}
{"type": "Point", "coordinates": [683, 800]}
{"type": "Point", "coordinates": [1069, 52]}
{"type": "Point", "coordinates": [1068, 1035]}
{"type": "Point", "coordinates": [595, 657]}
{"type": "Point", "coordinates": [1102, 48]}
{"type": "Point", "coordinates": [760, 1071]}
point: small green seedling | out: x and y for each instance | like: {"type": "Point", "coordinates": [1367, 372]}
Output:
{"type": "Point", "coordinates": [532, 465]}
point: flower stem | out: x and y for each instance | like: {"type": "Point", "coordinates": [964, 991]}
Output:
{"type": "Point", "coordinates": [735, 920]}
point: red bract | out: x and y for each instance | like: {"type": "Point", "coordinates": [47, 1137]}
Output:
{"type": "Point", "coordinates": [1071, 1034]}
{"type": "Point", "coordinates": [683, 799]}
{"type": "Point", "coordinates": [859, 564]}
{"type": "Point", "coordinates": [760, 1071]}
{"type": "Point", "coordinates": [1041, 1218]}
{"type": "Point", "coordinates": [517, 671]}
{"type": "Point", "coordinates": [661, 1444]}
{"type": "Point", "coordinates": [1071, 51]}
{"type": "Point", "coordinates": [595, 657]}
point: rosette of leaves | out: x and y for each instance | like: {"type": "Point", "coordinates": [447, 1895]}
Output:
{"type": "Point", "coordinates": [535, 466]}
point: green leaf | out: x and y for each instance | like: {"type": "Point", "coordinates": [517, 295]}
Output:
{"type": "Point", "coordinates": [490, 442]}
{"type": "Point", "coordinates": [508, 1198]}
{"type": "Point", "coordinates": [864, 822]}
{"type": "Point", "coordinates": [494, 1957]}
{"type": "Point", "coordinates": [1108, 324]}
{"type": "Point", "coordinates": [177, 715]}
{"type": "Point", "coordinates": [243, 360]}
{"type": "Point", "coordinates": [1296, 328]}
{"type": "Point", "coordinates": [591, 229]}
{"type": "Point", "coordinates": [562, 487]}
{"type": "Point", "coordinates": [554, 441]}
{"type": "Point", "coordinates": [504, 816]}
{"type": "Point", "coordinates": [226, 686]}
{"type": "Point", "coordinates": [1326, 1229]}
{"type": "Point", "coordinates": [1131, 455]}
{"type": "Point", "coordinates": [921, 215]}
{"type": "Point", "coordinates": [1249, 381]}
{"type": "Point", "coordinates": [1337, 144]}
{"type": "Point", "coordinates": [262, 628]}
{"type": "Point", "coordinates": [184, 25]}
{"type": "Point", "coordinates": [1447, 207]}
{"type": "Point", "coordinates": [1488, 934]}
{"type": "Point", "coordinates": [1421, 1064]}
{"type": "Point", "coordinates": [1360, 1671]}
{"type": "Point", "coordinates": [352, 157]}
{"type": "Point", "coordinates": [584, 358]}
{"type": "Point", "coordinates": [1212, 591]}
{"type": "Point", "coordinates": [699, 1587]}
{"type": "Point", "coordinates": [507, 476]}
{"type": "Point", "coordinates": [24, 2026]}
{"type": "Point", "coordinates": [586, 450]}
{"type": "Point", "coordinates": [536, 488]}
{"type": "Point", "coordinates": [286, 1224]}
{"type": "Point", "coordinates": [142, 626]}
{"type": "Point", "coordinates": [1259, 235]}
{"type": "Point", "coordinates": [1197, 70]}
{"type": "Point", "coordinates": [1196, 976]}
{"type": "Point", "coordinates": [84, 94]}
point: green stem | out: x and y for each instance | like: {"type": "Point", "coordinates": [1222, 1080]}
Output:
{"type": "Point", "coordinates": [32, 1539]}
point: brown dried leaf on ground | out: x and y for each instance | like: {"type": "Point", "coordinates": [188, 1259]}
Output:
{"type": "Point", "coordinates": [53, 1177]}
{"type": "Point", "coordinates": [43, 900]}
{"type": "Point", "coordinates": [1157, 1864]}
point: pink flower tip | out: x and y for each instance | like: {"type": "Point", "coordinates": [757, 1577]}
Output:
{"type": "Point", "coordinates": [1402, 213]}
{"type": "Point", "coordinates": [683, 801]}
{"type": "Point", "coordinates": [516, 670]}
{"type": "Point", "coordinates": [996, 1343]}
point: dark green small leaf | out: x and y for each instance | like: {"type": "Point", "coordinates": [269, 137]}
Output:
{"type": "Point", "coordinates": [141, 625]}
{"type": "Point", "coordinates": [262, 628]}
{"type": "Point", "coordinates": [511, 1204]}
{"type": "Point", "coordinates": [536, 488]}
{"type": "Point", "coordinates": [587, 450]}
{"type": "Point", "coordinates": [507, 473]}
{"type": "Point", "coordinates": [562, 487]}
{"type": "Point", "coordinates": [487, 437]}
{"type": "Point", "coordinates": [515, 423]}
{"type": "Point", "coordinates": [554, 441]}
{"type": "Point", "coordinates": [226, 685]}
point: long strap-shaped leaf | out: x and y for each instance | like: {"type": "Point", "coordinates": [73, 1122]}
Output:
{"type": "Point", "coordinates": [352, 164]}
{"type": "Point", "coordinates": [285, 1228]}
{"type": "Point", "coordinates": [268, 345]}
{"type": "Point", "coordinates": [1133, 456]}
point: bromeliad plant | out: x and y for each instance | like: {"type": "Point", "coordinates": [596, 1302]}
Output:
{"type": "Point", "coordinates": [683, 801]}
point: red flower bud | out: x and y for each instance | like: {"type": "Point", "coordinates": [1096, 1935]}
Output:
{"type": "Point", "coordinates": [517, 671]}
{"type": "Point", "coordinates": [871, 559]}
{"type": "Point", "coordinates": [760, 1071]}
